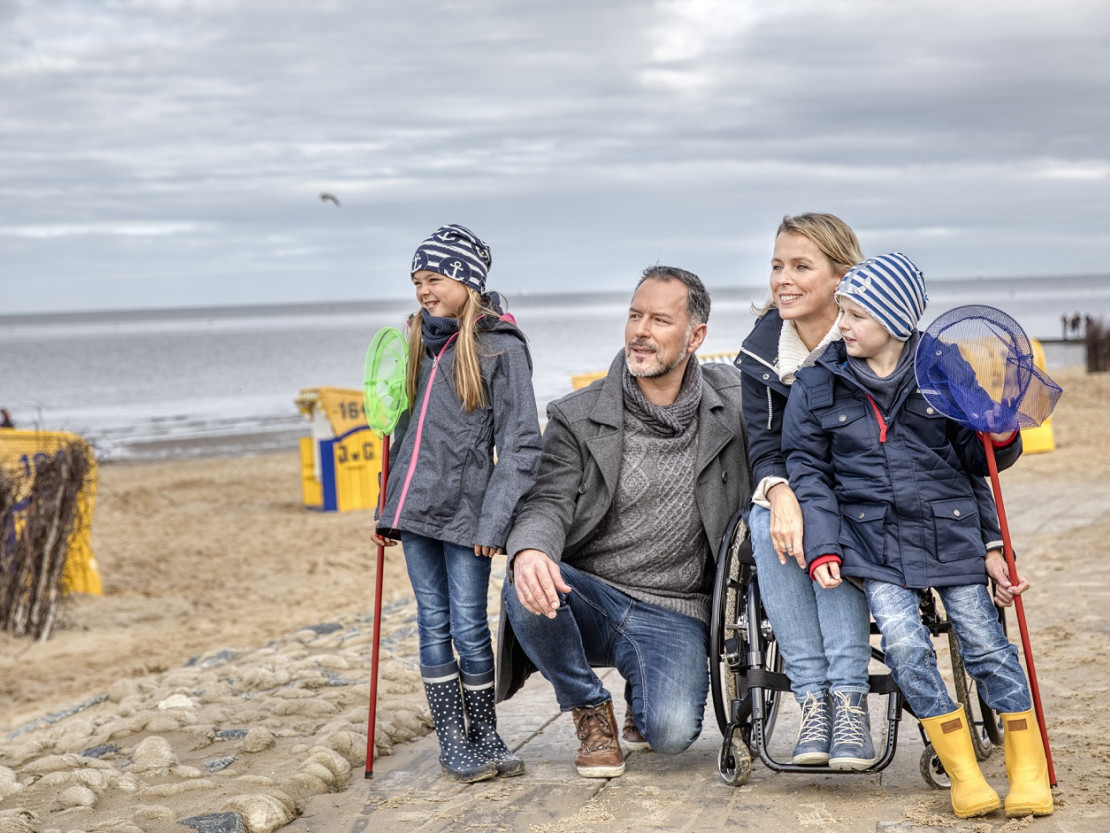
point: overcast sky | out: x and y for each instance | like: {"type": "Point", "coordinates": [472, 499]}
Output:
{"type": "Point", "coordinates": [158, 153]}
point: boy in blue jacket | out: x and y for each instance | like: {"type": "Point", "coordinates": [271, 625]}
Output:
{"type": "Point", "coordinates": [893, 496]}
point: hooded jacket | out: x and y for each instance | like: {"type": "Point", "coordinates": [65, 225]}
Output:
{"type": "Point", "coordinates": [443, 483]}
{"type": "Point", "coordinates": [899, 497]}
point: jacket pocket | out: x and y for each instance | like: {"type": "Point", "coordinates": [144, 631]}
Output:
{"type": "Point", "coordinates": [861, 531]}
{"type": "Point", "coordinates": [929, 424]}
{"type": "Point", "coordinates": [956, 522]}
{"type": "Point", "coordinates": [844, 424]}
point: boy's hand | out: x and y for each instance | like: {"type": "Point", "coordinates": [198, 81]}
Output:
{"type": "Point", "coordinates": [1004, 589]}
{"type": "Point", "coordinates": [827, 575]}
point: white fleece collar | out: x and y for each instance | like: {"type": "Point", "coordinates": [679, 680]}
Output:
{"type": "Point", "coordinates": [793, 355]}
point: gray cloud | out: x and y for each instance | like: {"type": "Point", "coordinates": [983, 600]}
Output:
{"type": "Point", "coordinates": [166, 152]}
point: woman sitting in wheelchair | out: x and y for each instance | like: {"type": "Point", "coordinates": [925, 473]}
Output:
{"type": "Point", "coordinates": [892, 496]}
{"type": "Point", "coordinates": [824, 635]}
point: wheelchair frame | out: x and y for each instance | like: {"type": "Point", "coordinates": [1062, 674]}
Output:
{"type": "Point", "coordinates": [747, 679]}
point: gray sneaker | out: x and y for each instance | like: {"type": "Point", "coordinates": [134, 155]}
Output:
{"type": "Point", "coordinates": [851, 735]}
{"type": "Point", "coordinates": [812, 747]}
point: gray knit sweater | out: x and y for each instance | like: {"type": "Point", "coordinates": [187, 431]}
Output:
{"type": "Point", "coordinates": [651, 544]}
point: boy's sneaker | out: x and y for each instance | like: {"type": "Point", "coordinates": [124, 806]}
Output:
{"type": "Point", "coordinates": [815, 732]}
{"type": "Point", "coordinates": [631, 738]}
{"type": "Point", "coordinates": [599, 751]}
{"type": "Point", "coordinates": [851, 735]}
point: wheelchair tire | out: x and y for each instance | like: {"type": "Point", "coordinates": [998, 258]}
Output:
{"type": "Point", "coordinates": [731, 628]}
{"type": "Point", "coordinates": [734, 761]}
{"type": "Point", "coordinates": [932, 770]}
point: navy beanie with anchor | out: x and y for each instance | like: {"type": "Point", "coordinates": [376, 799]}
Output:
{"type": "Point", "coordinates": [892, 290]}
{"type": "Point", "coordinates": [456, 252]}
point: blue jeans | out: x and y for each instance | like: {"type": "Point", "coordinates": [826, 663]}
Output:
{"type": "Point", "coordinates": [823, 634]}
{"type": "Point", "coordinates": [451, 584]}
{"type": "Point", "coordinates": [663, 656]}
{"type": "Point", "coordinates": [988, 655]}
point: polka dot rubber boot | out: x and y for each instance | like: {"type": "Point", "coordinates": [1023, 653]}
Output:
{"type": "Point", "coordinates": [458, 757]}
{"type": "Point", "coordinates": [481, 718]}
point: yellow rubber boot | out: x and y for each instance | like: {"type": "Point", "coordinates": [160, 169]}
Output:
{"type": "Point", "coordinates": [951, 738]}
{"type": "Point", "coordinates": [1026, 766]}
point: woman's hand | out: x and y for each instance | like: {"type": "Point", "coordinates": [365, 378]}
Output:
{"type": "Point", "coordinates": [382, 541]}
{"type": "Point", "coordinates": [488, 552]}
{"type": "Point", "coordinates": [786, 524]}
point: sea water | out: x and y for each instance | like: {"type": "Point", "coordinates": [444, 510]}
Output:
{"type": "Point", "coordinates": [170, 383]}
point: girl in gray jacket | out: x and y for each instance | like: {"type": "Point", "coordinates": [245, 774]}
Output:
{"type": "Point", "coordinates": [469, 383]}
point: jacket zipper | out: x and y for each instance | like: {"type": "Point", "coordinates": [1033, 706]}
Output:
{"type": "Point", "coordinates": [420, 431]}
{"type": "Point", "coordinates": [879, 417]}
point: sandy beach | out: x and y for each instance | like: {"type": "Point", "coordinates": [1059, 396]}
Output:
{"type": "Point", "coordinates": [225, 668]}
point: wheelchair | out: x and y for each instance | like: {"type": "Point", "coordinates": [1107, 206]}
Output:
{"type": "Point", "coordinates": [747, 682]}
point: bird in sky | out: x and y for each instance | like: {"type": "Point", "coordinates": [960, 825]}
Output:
{"type": "Point", "coordinates": [326, 197]}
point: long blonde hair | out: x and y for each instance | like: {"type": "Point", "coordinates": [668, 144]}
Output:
{"type": "Point", "coordinates": [827, 232]}
{"type": "Point", "coordinates": [468, 367]}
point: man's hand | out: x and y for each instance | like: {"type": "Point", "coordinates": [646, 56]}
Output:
{"type": "Point", "coordinates": [1004, 590]}
{"type": "Point", "coordinates": [538, 582]}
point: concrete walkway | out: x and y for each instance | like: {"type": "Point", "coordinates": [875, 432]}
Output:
{"type": "Point", "coordinates": [685, 792]}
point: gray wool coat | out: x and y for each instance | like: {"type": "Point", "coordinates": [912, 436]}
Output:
{"type": "Point", "coordinates": [582, 452]}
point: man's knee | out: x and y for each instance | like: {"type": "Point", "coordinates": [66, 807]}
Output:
{"type": "Point", "coordinates": [672, 730]}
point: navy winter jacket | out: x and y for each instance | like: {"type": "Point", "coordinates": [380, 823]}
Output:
{"type": "Point", "coordinates": [763, 397]}
{"type": "Point", "coordinates": [905, 504]}
{"type": "Point", "coordinates": [448, 488]}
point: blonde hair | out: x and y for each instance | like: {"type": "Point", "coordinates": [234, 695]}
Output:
{"type": "Point", "coordinates": [468, 367]}
{"type": "Point", "coordinates": [827, 232]}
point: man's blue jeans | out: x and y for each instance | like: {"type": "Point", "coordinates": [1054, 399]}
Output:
{"type": "Point", "coordinates": [451, 584]}
{"type": "Point", "coordinates": [662, 655]}
{"type": "Point", "coordinates": [988, 655]}
{"type": "Point", "coordinates": [823, 634]}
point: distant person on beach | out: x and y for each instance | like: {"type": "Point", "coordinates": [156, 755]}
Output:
{"type": "Point", "coordinates": [823, 635]}
{"type": "Point", "coordinates": [611, 557]}
{"type": "Point", "coordinates": [888, 491]}
{"type": "Point", "coordinates": [469, 384]}
{"type": "Point", "coordinates": [6, 419]}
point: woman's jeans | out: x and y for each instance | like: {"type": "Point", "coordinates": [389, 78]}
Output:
{"type": "Point", "coordinates": [451, 584]}
{"type": "Point", "coordinates": [662, 655]}
{"type": "Point", "coordinates": [988, 655]}
{"type": "Point", "coordinates": [823, 634]}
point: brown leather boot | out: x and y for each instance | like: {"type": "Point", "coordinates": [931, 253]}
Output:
{"type": "Point", "coordinates": [631, 738]}
{"type": "Point", "coordinates": [599, 751]}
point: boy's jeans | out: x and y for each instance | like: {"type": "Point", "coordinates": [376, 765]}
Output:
{"type": "Point", "coordinates": [824, 634]}
{"type": "Point", "coordinates": [661, 654]}
{"type": "Point", "coordinates": [451, 585]}
{"type": "Point", "coordinates": [988, 655]}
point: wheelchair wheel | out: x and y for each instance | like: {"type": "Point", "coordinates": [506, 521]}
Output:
{"type": "Point", "coordinates": [734, 761]}
{"type": "Point", "coordinates": [736, 618]}
{"type": "Point", "coordinates": [726, 622]}
{"type": "Point", "coordinates": [932, 770]}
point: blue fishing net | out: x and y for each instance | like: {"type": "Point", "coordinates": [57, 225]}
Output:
{"type": "Point", "coordinates": [975, 365]}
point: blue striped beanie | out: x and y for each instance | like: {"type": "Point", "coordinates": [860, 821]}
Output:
{"type": "Point", "coordinates": [892, 290]}
{"type": "Point", "coordinates": [457, 252]}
